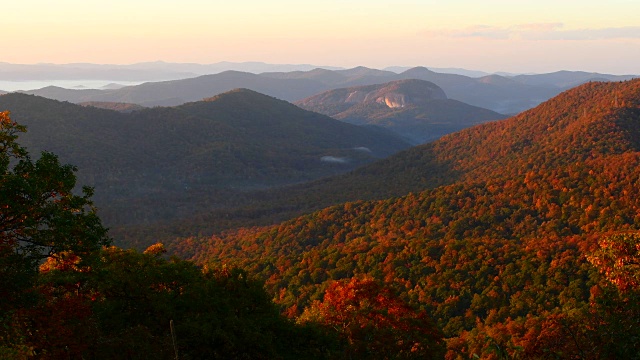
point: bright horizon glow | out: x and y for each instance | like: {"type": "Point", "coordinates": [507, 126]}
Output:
{"type": "Point", "coordinates": [493, 35]}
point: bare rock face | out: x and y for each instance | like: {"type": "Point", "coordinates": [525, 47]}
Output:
{"type": "Point", "coordinates": [393, 100]}
{"type": "Point", "coordinates": [408, 92]}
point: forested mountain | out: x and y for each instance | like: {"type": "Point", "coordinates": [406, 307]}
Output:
{"type": "Point", "coordinates": [416, 109]}
{"type": "Point", "coordinates": [166, 163]}
{"type": "Point", "coordinates": [504, 245]}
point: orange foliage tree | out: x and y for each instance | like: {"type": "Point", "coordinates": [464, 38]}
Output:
{"type": "Point", "coordinates": [376, 323]}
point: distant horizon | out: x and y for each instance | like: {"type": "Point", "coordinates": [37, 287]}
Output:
{"type": "Point", "coordinates": [314, 65]}
{"type": "Point", "coordinates": [526, 36]}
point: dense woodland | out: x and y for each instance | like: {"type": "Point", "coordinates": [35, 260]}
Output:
{"type": "Point", "coordinates": [505, 258]}
{"type": "Point", "coordinates": [513, 239]}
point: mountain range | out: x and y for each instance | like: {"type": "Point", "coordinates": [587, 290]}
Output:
{"type": "Point", "coordinates": [160, 70]}
{"type": "Point", "coordinates": [506, 95]}
{"type": "Point", "coordinates": [418, 110]}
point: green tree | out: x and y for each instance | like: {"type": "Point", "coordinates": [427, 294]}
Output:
{"type": "Point", "coordinates": [40, 217]}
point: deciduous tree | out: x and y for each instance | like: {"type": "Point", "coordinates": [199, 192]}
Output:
{"type": "Point", "coordinates": [376, 323]}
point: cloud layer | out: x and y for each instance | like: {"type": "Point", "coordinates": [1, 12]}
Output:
{"type": "Point", "coordinates": [540, 31]}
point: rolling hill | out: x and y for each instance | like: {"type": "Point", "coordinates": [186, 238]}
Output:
{"type": "Point", "coordinates": [417, 110]}
{"type": "Point", "coordinates": [496, 239]}
{"type": "Point", "coordinates": [166, 163]}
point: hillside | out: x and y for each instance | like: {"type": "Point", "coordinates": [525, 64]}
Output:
{"type": "Point", "coordinates": [417, 110]}
{"type": "Point", "coordinates": [495, 244]}
{"type": "Point", "coordinates": [167, 163]}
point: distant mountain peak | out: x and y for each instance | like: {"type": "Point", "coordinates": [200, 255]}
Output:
{"type": "Point", "coordinates": [417, 69]}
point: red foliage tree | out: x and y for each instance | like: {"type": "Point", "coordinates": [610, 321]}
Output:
{"type": "Point", "coordinates": [375, 322]}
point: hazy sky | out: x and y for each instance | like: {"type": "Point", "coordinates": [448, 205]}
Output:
{"type": "Point", "coordinates": [490, 35]}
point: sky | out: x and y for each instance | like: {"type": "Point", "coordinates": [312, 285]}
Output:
{"type": "Point", "coordinates": [491, 35]}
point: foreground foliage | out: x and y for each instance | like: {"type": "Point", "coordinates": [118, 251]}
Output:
{"type": "Point", "coordinates": [126, 300]}
{"type": "Point", "coordinates": [65, 294]}
{"type": "Point", "coordinates": [40, 218]}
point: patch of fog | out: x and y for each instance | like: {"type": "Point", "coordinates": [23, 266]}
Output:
{"type": "Point", "coordinates": [26, 85]}
{"type": "Point", "coordinates": [363, 149]}
{"type": "Point", "coordinates": [334, 159]}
